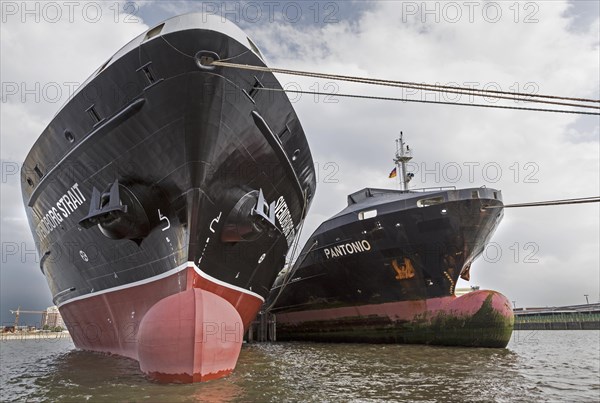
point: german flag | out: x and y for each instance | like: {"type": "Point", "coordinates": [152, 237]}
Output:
{"type": "Point", "coordinates": [393, 174]}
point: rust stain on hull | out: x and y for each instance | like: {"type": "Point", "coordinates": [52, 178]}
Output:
{"type": "Point", "coordinates": [479, 319]}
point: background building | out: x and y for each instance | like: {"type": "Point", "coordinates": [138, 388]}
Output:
{"type": "Point", "coordinates": [52, 318]}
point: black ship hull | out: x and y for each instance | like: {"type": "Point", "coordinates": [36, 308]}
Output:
{"type": "Point", "coordinates": [164, 196]}
{"type": "Point", "coordinates": [385, 270]}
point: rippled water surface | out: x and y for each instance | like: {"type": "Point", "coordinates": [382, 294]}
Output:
{"type": "Point", "coordinates": [536, 366]}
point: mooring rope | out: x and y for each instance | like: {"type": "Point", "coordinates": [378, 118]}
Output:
{"type": "Point", "coordinates": [428, 102]}
{"type": "Point", "coordinates": [518, 96]}
{"type": "Point", "coordinates": [578, 200]}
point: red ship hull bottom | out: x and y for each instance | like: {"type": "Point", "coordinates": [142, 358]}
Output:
{"type": "Point", "coordinates": [183, 327]}
{"type": "Point", "coordinates": [481, 318]}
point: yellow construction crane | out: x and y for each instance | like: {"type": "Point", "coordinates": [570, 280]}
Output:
{"type": "Point", "coordinates": [19, 311]}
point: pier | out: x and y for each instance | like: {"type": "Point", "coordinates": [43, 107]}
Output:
{"type": "Point", "coordinates": [263, 329]}
{"type": "Point", "coordinates": [34, 336]}
{"type": "Point", "coordinates": [573, 317]}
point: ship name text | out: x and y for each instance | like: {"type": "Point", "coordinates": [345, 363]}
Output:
{"type": "Point", "coordinates": [276, 210]}
{"type": "Point", "coordinates": [63, 208]}
{"type": "Point", "coordinates": [349, 248]}
{"type": "Point", "coordinates": [282, 212]}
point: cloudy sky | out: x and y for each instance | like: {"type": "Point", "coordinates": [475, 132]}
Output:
{"type": "Point", "coordinates": [539, 256]}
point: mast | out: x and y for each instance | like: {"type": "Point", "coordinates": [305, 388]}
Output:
{"type": "Point", "coordinates": [403, 155]}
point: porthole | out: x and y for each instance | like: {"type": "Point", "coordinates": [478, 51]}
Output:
{"type": "Point", "coordinates": [69, 136]}
{"type": "Point", "coordinates": [29, 182]}
{"type": "Point", "coordinates": [38, 171]}
{"type": "Point", "coordinates": [295, 155]}
{"type": "Point", "coordinates": [154, 32]}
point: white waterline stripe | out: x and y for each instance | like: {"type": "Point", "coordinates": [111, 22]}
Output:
{"type": "Point", "coordinates": [159, 277]}
{"type": "Point", "coordinates": [224, 284]}
{"type": "Point", "coordinates": [129, 285]}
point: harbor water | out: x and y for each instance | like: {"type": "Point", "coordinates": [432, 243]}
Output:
{"type": "Point", "coordinates": [537, 366]}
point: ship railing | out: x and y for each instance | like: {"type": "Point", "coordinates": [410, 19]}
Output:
{"type": "Point", "coordinates": [433, 188]}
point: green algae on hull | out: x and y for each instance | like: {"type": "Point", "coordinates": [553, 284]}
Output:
{"type": "Point", "coordinates": [487, 327]}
